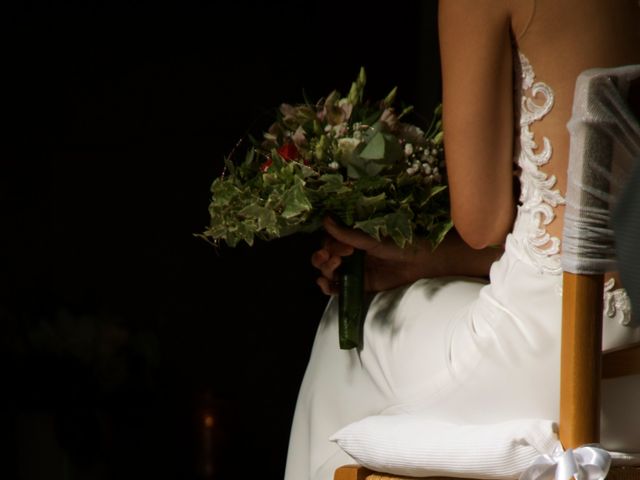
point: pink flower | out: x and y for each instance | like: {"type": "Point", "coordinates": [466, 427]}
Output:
{"type": "Point", "coordinates": [389, 118]}
{"type": "Point", "coordinates": [336, 110]}
{"type": "Point", "coordinates": [299, 137]}
{"type": "Point", "coordinates": [288, 112]}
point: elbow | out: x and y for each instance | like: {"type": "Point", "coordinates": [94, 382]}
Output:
{"type": "Point", "coordinates": [475, 239]}
{"type": "Point", "coordinates": [483, 233]}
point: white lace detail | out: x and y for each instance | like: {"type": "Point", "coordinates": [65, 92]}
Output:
{"type": "Point", "coordinates": [617, 303]}
{"type": "Point", "coordinates": [537, 197]}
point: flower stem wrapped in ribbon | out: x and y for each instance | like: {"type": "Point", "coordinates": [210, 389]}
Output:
{"type": "Point", "coordinates": [350, 303]}
{"type": "Point", "coordinates": [345, 157]}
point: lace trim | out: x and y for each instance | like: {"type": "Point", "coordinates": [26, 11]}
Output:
{"type": "Point", "coordinates": [617, 303]}
{"type": "Point", "coordinates": [537, 196]}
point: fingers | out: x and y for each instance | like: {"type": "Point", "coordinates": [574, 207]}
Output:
{"type": "Point", "coordinates": [320, 257]}
{"type": "Point", "coordinates": [326, 263]}
{"type": "Point", "coordinates": [339, 243]}
{"type": "Point", "coordinates": [327, 260]}
{"type": "Point", "coordinates": [327, 287]}
{"type": "Point", "coordinates": [335, 247]}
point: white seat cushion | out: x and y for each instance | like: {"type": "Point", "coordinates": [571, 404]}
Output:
{"type": "Point", "coordinates": [416, 446]}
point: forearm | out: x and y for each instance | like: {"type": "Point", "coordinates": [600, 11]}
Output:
{"type": "Point", "coordinates": [455, 257]}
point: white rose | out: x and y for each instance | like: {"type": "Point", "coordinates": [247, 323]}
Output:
{"type": "Point", "coordinates": [346, 146]}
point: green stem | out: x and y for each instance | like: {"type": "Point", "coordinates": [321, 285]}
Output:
{"type": "Point", "coordinates": [351, 301]}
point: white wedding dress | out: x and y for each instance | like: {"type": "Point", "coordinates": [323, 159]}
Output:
{"type": "Point", "coordinates": [461, 350]}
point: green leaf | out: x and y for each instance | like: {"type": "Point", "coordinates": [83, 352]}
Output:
{"type": "Point", "coordinates": [237, 233]}
{"type": "Point", "coordinates": [305, 171]}
{"type": "Point", "coordinates": [438, 232]}
{"type": "Point", "coordinates": [391, 96]}
{"type": "Point", "coordinates": [368, 205]}
{"type": "Point", "coordinates": [248, 159]}
{"type": "Point", "coordinates": [223, 192]}
{"type": "Point", "coordinates": [332, 183]}
{"type": "Point", "coordinates": [265, 218]}
{"type": "Point", "coordinates": [216, 230]}
{"type": "Point", "coordinates": [370, 184]}
{"type": "Point", "coordinates": [356, 167]}
{"type": "Point", "coordinates": [295, 201]}
{"type": "Point", "coordinates": [437, 189]}
{"type": "Point", "coordinates": [428, 197]}
{"type": "Point", "coordinates": [374, 150]}
{"type": "Point", "coordinates": [244, 232]}
{"type": "Point", "coordinates": [376, 227]}
{"type": "Point", "coordinates": [393, 149]}
{"type": "Point", "coordinates": [399, 226]}
{"type": "Point", "coordinates": [405, 111]}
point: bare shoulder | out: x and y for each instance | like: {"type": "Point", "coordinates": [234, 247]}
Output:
{"type": "Point", "coordinates": [589, 32]}
{"type": "Point", "coordinates": [516, 14]}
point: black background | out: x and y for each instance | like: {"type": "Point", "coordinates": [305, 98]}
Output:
{"type": "Point", "coordinates": [119, 328]}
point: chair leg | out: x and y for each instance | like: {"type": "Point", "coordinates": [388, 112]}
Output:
{"type": "Point", "coordinates": [351, 472]}
{"type": "Point", "coordinates": [581, 366]}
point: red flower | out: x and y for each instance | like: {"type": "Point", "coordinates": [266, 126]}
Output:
{"type": "Point", "coordinates": [265, 166]}
{"type": "Point", "coordinates": [288, 151]}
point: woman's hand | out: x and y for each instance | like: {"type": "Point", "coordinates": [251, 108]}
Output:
{"type": "Point", "coordinates": [386, 265]}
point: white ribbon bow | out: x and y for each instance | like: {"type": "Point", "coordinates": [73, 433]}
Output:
{"type": "Point", "coordinates": [588, 462]}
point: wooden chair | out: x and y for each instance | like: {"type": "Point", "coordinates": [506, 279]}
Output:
{"type": "Point", "coordinates": [583, 364]}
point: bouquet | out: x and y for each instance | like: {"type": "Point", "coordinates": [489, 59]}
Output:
{"type": "Point", "coordinates": [355, 160]}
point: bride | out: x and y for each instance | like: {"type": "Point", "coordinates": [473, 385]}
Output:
{"type": "Point", "coordinates": [438, 338]}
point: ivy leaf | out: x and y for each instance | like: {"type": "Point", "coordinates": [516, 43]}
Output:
{"type": "Point", "coordinates": [332, 183]}
{"type": "Point", "coordinates": [438, 231]}
{"type": "Point", "coordinates": [264, 217]}
{"type": "Point", "coordinates": [399, 226]}
{"type": "Point", "coordinates": [223, 192]}
{"type": "Point", "coordinates": [436, 190]}
{"type": "Point", "coordinates": [305, 171]}
{"type": "Point", "coordinates": [376, 227]}
{"type": "Point", "coordinates": [368, 205]}
{"type": "Point", "coordinates": [245, 233]}
{"type": "Point", "coordinates": [296, 201]}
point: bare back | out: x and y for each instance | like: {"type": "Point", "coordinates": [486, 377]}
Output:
{"type": "Point", "coordinates": [561, 39]}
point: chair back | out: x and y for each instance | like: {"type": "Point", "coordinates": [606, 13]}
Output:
{"type": "Point", "coordinates": [604, 147]}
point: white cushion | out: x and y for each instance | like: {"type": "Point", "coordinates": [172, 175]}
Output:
{"type": "Point", "coordinates": [416, 446]}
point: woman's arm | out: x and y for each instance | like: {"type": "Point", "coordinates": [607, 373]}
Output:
{"type": "Point", "coordinates": [476, 54]}
{"type": "Point", "coordinates": [388, 266]}
{"type": "Point", "coordinates": [478, 120]}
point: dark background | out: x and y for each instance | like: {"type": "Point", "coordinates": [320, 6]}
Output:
{"type": "Point", "coordinates": [120, 331]}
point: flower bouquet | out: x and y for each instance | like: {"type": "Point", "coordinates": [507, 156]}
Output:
{"type": "Point", "coordinates": [345, 157]}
